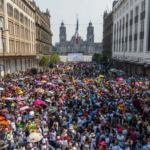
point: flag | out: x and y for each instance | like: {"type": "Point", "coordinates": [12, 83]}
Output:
{"type": "Point", "coordinates": [77, 32]}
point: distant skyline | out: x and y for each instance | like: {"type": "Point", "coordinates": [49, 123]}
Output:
{"type": "Point", "coordinates": [66, 10]}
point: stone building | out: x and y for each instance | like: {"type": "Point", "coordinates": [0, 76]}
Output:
{"type": "Point", "coordinates": [131, 28]}
{"type": "Point", "coordinates": [88, 46]}
{"type": "Point", "coordinates": [17, 16]}
{"type": "Point", "coordinates": [43, 32]}
{"type": "Point", "coordinates": [107, 33]}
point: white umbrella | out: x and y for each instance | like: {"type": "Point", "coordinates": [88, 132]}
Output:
{"type": "Point", "coordinates": [24, 108]}
{"type": "Point", "coordinates": [1, 89]}
{"type": "Point", "coordinates": [9, 98]}
{"type": "Point", "coordinates": [34, 137]}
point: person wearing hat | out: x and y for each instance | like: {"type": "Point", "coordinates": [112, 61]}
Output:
{"type": "Point", "coordinates": [127, 147]}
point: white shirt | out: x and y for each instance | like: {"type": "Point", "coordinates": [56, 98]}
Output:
{"type": "Point", "coordinates": [127, 148]}
{"type": "Point", "coordinates": [53, 136]}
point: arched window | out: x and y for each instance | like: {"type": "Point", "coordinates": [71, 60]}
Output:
{"type": "Point", "coordinates": [9, 10]}
{"type": "Point", "coordinates": [16, 14]}
{"type": "Point", "coordinates": [1, 4]}
{"type": "Point", "coordinates": [21, 18]}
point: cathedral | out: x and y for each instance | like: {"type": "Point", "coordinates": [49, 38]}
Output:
{"type": "Point", "coordinates": [86, 47]}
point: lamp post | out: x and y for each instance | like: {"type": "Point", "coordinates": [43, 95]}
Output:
{"type": "Point", "coordinates": [4, 56]}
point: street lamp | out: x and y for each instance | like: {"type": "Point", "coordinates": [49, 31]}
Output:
{"type": "Point", "coordinates": [3, 56]}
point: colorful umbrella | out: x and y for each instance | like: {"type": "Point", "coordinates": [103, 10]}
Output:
{"type": "Point", "coordinates": [49, 83]}
{"type": "Point", "coordinates": [2, 118]}
{"type": "Point", "coordinates": [39, 90]}
{"type": "Point", "coordinates": [9, 98]}
{"type": "Point", "coordinates": [24, 108]}
{"type": "Point", "coordinates": [4, 123]}
{"type": "Point", "coordinates": [39, 102]}
{"type": "Point", "coordinates": [119, 79]}
{"type": "Point", "coordinates": [28, 117]}
{"type": "Point", "coordinates": [34, 137]}
{"type": "Point", "coordinates": [19, 99]}
{"type": "Point", "coordinates": [43, 81]}
{"type": "Point", "coordinates": [137, 84]}
{"type": "Point", "coordinates": [39, 83]}
{"type": "Point", "coordinates": [1, 89]}
{"type": "Point", "coordinates": [101, 76]}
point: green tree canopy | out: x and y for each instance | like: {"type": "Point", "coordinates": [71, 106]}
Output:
{"type": "Point", "coordinates": [44, 62]}
{"type": "Point", "coordinates": [99, 58]}
{"type": "Point", "coordinates": [54, 57]}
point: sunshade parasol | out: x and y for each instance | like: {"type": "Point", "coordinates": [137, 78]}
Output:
{"type": "Point", "coordinates": [101, 76]}
{"type": "Point", "coordinates": [43, 81]}
{"type": "Point", "coordinates": [34, 137]}
{"type": "Point", "coordinates": [119, 79]}
{"type": "Point", "coordinates": [27, 117]}
{"type": "Point", "coordinates": [4, 123]}
{"type": "Point", "coordinates": [38, 102]}
{"type": "Point", "coordinates": [51, 109]}
{"type": "Point", "coordinates": [19, 99]}
{"type": "Point", "coordinates": [1, 89]}
{"type": "Point", "coordinates": [2, 118]}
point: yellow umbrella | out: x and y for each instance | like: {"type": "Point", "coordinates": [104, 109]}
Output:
{"type": "Point", "coordinates": [43, 81]}
{"type": "Point", "coordinates": [101, 76]}
{"type": "Point", "coordinates": [91, 80]}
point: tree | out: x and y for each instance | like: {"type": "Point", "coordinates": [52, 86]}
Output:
{"type": "Point", "coordinates": [97, 57]}
{"type": "Point", "coordinates": [54, 57]}
{"type": "Point", "coordinates": [44, 62]}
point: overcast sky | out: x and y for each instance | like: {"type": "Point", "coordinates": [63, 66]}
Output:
{"type": "Point", "coordinates": [66, 10]}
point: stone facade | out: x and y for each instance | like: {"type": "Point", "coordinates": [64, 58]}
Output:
{"type": "Point", "coordinates": [87, 47]}
{"type": "Point", "coordinates": [43, 32]}
{"type": "Point", "coordinates": [17, 19]}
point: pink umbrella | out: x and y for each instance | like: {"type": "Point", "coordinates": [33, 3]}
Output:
{"type": "Point", "coordinates": [39, 83]}
{"type": "Point", "coordinates": [44, 77]}
{"type": "Point", "coordinates": [48, 83]}
{"type": "Point", "coordinates": [19, 99]}
{"type": "Point", "coordinates": [38, 102]}
{"type": "Point", "coordinates": [119, 79]}
{"type": "Point", "coordinates": [137, 84]}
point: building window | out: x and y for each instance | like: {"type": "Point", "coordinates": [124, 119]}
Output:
{"type": "Point", "coordinates": [136, 27]}
{"type": "Point", "coordinates": [135, 46]}
{"type": "Point", "coordinates": [1, 4]}
{"type": "Point", "coordinates": [130, 46]}
{"type": "Point", "coordinates": [17, 30]}
{"type": "Point", "coordinates": [9, 10]}
{"type": "Point", "coordinates": [21, 18]}
{"type": "Point", "coordinates": [16, 14]}
{"type": "Point", "coordinates": [130, 30]}
{"type": "Point", "coordinates": [131, 14]}
{"type": "Point", "coordinates": [142, 25]}
{"type": "Point", "coordinates": [11, 46]}
{"type": "Point", "coordinates": [11, 27]}
{"type": "Point", "coordinates": [136, 11]}
{"type": "Point", "coordinates": [2, 23]}
{"type": "Point", "coordinates": [141, 45]}
{"type": "Point", "coordinates": [26, 21]}
{"type": "Point", "coordinates": [143, 5]}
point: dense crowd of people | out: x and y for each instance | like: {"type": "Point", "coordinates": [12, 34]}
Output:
{"type": "Point", "coordinates": [74, 106]}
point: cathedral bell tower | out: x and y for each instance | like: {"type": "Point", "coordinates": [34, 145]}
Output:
{"type": "Point", "coordinates": [90, 33]}
{"type": "Point", "coordinates": [62, 35]}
